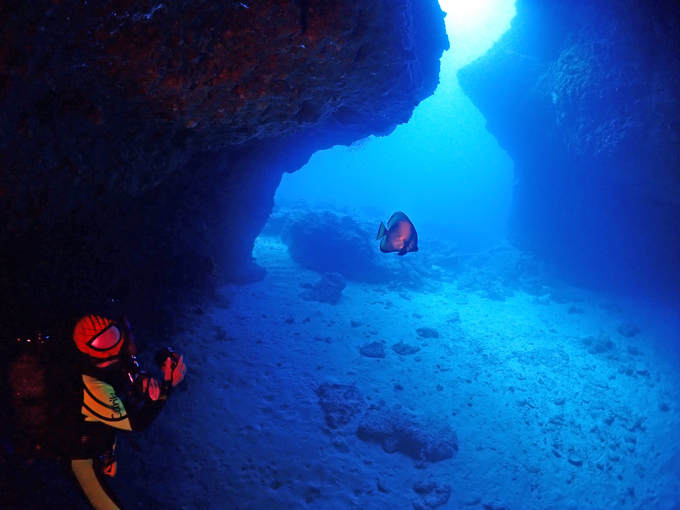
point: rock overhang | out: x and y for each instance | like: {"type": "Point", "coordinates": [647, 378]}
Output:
{"type": "Point", "coordinates": [142, 142]}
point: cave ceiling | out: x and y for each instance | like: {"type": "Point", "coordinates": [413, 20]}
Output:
{"type": "Point", "coordinates": [141, 142]}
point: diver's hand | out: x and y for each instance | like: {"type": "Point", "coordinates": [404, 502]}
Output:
{"type": "Point", "coordinates": [154, 389]}
{"type": "Point", "coordinates": [177, 375]}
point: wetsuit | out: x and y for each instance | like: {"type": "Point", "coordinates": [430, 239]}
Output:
{"type": "Point", "coordinates": [110, 403]}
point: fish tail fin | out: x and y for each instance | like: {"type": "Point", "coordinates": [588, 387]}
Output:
{"type": "Point", "coordinates": [382, 231]}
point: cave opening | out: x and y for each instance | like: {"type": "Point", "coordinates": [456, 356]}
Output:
{"type": "Point", "coordinates": [491, 316]}
{"type": "Point", "coordinates": [326, 374]}
{"type": "Point", "coordinates": [443, 167]}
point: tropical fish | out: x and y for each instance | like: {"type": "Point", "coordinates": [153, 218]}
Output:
{"type": "Point", "coordinates": [399, 235]}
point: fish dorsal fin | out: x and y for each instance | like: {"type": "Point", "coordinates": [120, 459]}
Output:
{"type": "Point", "coordinates": [382, 231]}
{"type": "Point", "coordinates": [396, 217]}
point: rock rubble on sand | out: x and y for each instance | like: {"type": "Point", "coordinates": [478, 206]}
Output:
{"type": "Point", "coordinates": [628, 329]}
{"type": "Point", "coordinates": [405, 349]}
{"type": "Point", "coordinates": [327, 290]}
{"type": "Point", "coordinates": [373, 350]}
{"type": "Point", "coordinates": [432, 494]}
{"type": "Point", "coordinates": [340, 403]}
{"type": "Point", "coordinates": [601, 344]}
{"type": "Point", "coordinates": [427, 333]}
{"type": "Point", "coordinates": [398, 431]}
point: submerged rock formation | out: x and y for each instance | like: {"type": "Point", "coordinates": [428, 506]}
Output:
{"type": "Point", "coordinates": [399, 431]}
{"type": "Point", "coordinates": [583, 97]}
{"type": "Point", "coordinates": [141, 142]}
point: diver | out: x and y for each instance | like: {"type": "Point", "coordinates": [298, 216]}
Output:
{"type": "Point", "coordinates": [116, 395]}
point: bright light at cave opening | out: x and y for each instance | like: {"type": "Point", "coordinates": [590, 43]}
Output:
{"type": "Point", "coordinates": [442, 167]}
{"type": "Point", "coordinates": [468, 12]}
{"type": "Point", "coordinates": [474, 25]}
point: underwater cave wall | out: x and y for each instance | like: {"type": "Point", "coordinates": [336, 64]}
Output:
{"type": "Point", "coordinates": [141, 142]}
{"type": "Point", "coordinates": [584, 98]}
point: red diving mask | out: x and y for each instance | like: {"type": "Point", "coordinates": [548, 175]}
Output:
{"type": "Point", "coordinates": [98, 337]}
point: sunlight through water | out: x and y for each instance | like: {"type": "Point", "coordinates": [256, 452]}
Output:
{"type": "Point", "coordinates": [473, 25]}
{"type": "Point", "coordinates": [443, 167]}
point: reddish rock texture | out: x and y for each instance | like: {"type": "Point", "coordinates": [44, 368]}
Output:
{"type": "Point", "coordinates": [141, 142]}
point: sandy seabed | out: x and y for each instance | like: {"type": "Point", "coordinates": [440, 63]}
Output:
{"type": "Point", "coordinates": [544, 419]}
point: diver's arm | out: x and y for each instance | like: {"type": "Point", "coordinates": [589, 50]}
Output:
{"type": "Point", "coordinates": [143, 408]}
{"type": "Point", "coordinates": [102, 403]}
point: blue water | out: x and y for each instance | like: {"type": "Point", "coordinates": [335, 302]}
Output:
{"type": "Point", "coordinates": [468, 375]}
{"type": "Point", "coordinates": [442, 168]}
{"type": "Point", "coordinates": [562, 396]}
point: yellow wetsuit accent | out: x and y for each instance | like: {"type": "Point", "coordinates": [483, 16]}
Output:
{"type": "Point", "coordinates": [91, 486]}
{"type": "Point", "coordinates": [100, 403]}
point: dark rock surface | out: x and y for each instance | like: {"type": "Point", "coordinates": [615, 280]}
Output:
{"type": "Point", "coordinates": [403, 349]}
{"type": "Point", "coordinates": [324, 241]}
{"type": "Point", "coordinates": [326, 290]}
{"type": "Point", "coordinates": [427, 333]}
{"type": "Point", "coordinates": [601, 344]}
{"type": "Point", "coordinates": [628, 329]}
{"type": "Point", "coordinates": [340, 403]}
{"type": "Point", "coordinates": [400, 432]}
{"type": "Point", "coordinates": [327, 241]}
{"type": "Point", "coordinates": [494, 505]}
{"type": "Point", "coordinates": [433, 494]}
{"type": "Point", "coordinates": [141, 143]}
{"type": "Point", "coordinates": [373, 350]}
{"type": "Point", "coordinates": [583, 97]}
